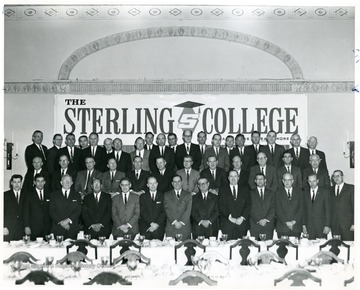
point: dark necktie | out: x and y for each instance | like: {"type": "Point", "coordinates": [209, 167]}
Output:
{"type": "Point", "coordinates": [338, 191]}
{"type": "Point", "coordinates": [117, 156]}
{"type": "Point", "coordinates": [241, 152]}
{"type": "Point", "coordinates": [312, 152]}
{"type": "Point", "coordinates": [137, 175]}
{"type": "Point", "coordinates": [17, 197]}
{"type": "Point", "coordinates": [204, 196]}
{"type": "Point", "coordinates": [289, 195]}
{"type": "Point", "coordinates": [162, 151]}
{"type": "Point", "coordinates": [97, 198]}
{"type": "Point", "coordinates": [262, 170]}
{"type": "Point", "coordinates": [87, 186]}
{"type": "Point", "coordinates": [256, 149]}
{"type": "Point", "coordinates": [153, 197]}
{"type": "Point", "coordinates": [125, 199]}
{"type": "Point", "coordinates": [217, 151]}
{"type": "Point", "coordinates": [262, 194]}
{"type": "Point", "coordinates": [177, 195]}
{"type": "Point", "coordinates": [112, 176]}
{"type": "Point", "coordinates": [71, 154]}
{"type": "Point", "coordinates": [314, 170]}
{"type": "Point", "coordinates": [288, 169]}
{"type": "Point", "coordinates": [313, 197]}
{"type": "Point", "coordinates": [234, 192]}
{"type": "Point", "coordinates": [62, 172]}
{"type": "Point", "coordinates": [41, 196]}
{"type": "Point", "coordinates": [297, 152]}
{"type": "Point", "coordinates": [187, 149]}
{"type": "Point", "coordinates": [42, 151]}
{"type": "Point", "coordinates": [202, 150]}
{"type": "Point", "coordinates": [272, 150]}
{"type": "Point", "coordinates": [93, 151]}
{"type": "Point", "coordinates": [66, 195]}
{"type": "Point", "coordinates": [187, 176]}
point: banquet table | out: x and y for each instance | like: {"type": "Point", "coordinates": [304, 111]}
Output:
{"type": "Point", "coordinates": [162, 268]}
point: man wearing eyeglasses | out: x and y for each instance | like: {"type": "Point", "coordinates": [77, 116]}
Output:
{"type": "Point", "coordinates": [268, 170]}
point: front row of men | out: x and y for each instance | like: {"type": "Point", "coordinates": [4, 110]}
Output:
{"type": "Point", "coordinates": [233, 209]}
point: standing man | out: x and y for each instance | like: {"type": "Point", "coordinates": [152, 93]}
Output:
{"type": "Point", "coordinates": [205, 211]}
{"type": "Point", "coordinates": [149, 138]}
{"type": "Point", "coordinates": [172, 141]}
{"type": "Point", "coordinates": [13, 210]}
{"type": "Point", "coordinates": [161, 151]}
{"type": "Point", "coordinates": [188, 148]}
{"type": "Point", "coordinates": [36, 149]}
{"type": "Point", "coordinates": [289, 208]}
{"type": "Point", "coordinates": [189, 175]}
{"type": "Point", "coordinates": [287, 167]}
{"type": "Point", "coordinates": [219, 152]}
{"type": "Point", "coordinates": [108, 147]}
{"type": "Point", "coordinates": [243, 175]}
{"type": "Point", "coordinates": [177, 204]}
{"type": "Point", "coordinates": [342, 201]}
{"type": "Point", "coordinates": [163, 175]}
{"type": "Point", "coordinates": [262, 213]}
{"type": "Point", "coordinates": [111, 179]}
{"type": "Point", "coordinates": [96, 212]}
{"type": "Point", "coordinates": [138, 177]}
{"type": "Point", "coordinates": [125, 211]}
{"type": "Point", "coordinates": [65, 210]}
{"type": "Point", "coordinates": [234, 208]}
{"type": "Point", "coordinates": [312, 144]}
{"type": "Point", "coordinates": [321, 173]}
{"type": "Point", "coordinates": [300, 154]}
{"type": "Point", "coordinates": [37, 219]}
{"type": "Point", "coordinates": [254, 149]}
{"type": "Point", "coordinates": [73, 153]}
{"type": "Point", "coordinates": [214, 174]}
{"type": "Point", "coordinates": [83, 142]}
{"type": "Point", "coordinates": [317, 209]}
{"type": "Point", "coordinates": [268, 170]}
{"type": "Point", "coordinates": [229, 145]}
{"type": "Point", "coordinates": [122, 158]}
{"type": "Point", "coordinates": [152, 213]}
{"type": "Point", "coordinates": [140, 151]}
{"type": "Point", "coordinates": [201, 138]}
{"type": "Point", "coordinates": [97, 152]}
{"type": "Point", "coordinates": [59, 173]}
{"type": "Point", "coordinates": [239, 150]}
{"type": "Point", "coordinates": [37, 167]}
{"type": "Point", "coordinates": [273, 151]}
{"type": "Point", "coordinates": [52, 161]}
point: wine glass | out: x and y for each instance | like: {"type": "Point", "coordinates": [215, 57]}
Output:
{"type": "Point", "coordinates": [127, 237]}
{"type": "Point", "coordinates": [224, 237]}
{"type": "Point", "coordinates": [132, 264]}
{"type": "Point", "coordinates": [48, 262]}
{"type": "Point", "coordinates": [201, 239]}
{"type": "Point", "coordinates": [87, 237]}
{"type": "Point", "coordinates": [104, 260]}
{"type": "Point", "coordinates": [178, 237]}
{"type": "Point", "coordinates": [285, 237]}
{"type": "Point", "coordinates": [102, 240]}
{"type": "Point", "coordinates": [48, 238]}
{"type": "Point", "coordinates": [16, 267]}
{"type": "Point", "coordinates": [76, 266]}
{"type": "Point", "coordinates": [305, 235]}
{"type": "Point", "coordinates": [262, 237]}
{"type": "Point", "coordinates": [59, 240]}
{"type": "Point", "coordinates": [337, 237]}
{"type": "Point", "coordinates": [141, 239]}
{"type": "Point", "coordinates": [26, 239]}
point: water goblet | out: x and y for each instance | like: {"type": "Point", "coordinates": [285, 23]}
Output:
{"type": "Point", "coordinates": [337, 237]}
{"type": "Point", "coordinates": [87, 237]}
{"type": "Point", "coordinates": [48, 238]}
{"type": "Point", "coordinates": [104, 260]}
{"type": "Point", "coordinates": [76, 266]}
{"type": "Point", "coordinates": [102, 240]}
{"type": "Point", "coordinates": [262, 237]}
{"type": "Point", "coordinates": [127, 237]}
{"type": "Point", "coordinates": [16, 267]}
{"type": "Point", "coordinates": [132, 263]}
{"type": "Point", "coordinates": [26, 239]}
{"type": "Point", "coordinates": [201, 239]}
{"type": "Point", "coordinates": [178, 237]}
{"type": "Point", "coordinates": [59, 240]}
{"type": "Point", "coordinates": [224, 237]}
{"type": "Point", "coordinates": [305, 235]}
{"type": "Point", "coordinates": [141, 239]}
{"type": "Point", "coordinates": [284, 237]}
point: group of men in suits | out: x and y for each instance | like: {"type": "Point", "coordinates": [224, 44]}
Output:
{"type": "Point", "coordinates": [186, 188]}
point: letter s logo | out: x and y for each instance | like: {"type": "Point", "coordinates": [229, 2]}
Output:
{"type": "Point", "coordinates": [188, 121]}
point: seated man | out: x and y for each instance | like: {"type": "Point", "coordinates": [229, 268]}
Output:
{"type": "Point", "coordinates": [189, 175]}
{"type": "Point", "coordinates": [84, 177]}
{"type": "Point", "coordinates": [268, 171]}
{"type": "Point", "coordinates": [321, 173]}
{"type": "Point", "coordinates": [37, 167]}
{"type": "Point", "coordinates": [111, 179]}
{"type": "Point", "coordinates": [214, 174]}
{"type": "Point", "coordinates": [138, 177]}
{"type": "Point", "coordinates": [287, 167]}
{"type": "Point", "coordinates": [96, 212]}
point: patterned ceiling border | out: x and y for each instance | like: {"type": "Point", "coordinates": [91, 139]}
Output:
{"type": "Point", "coordinates": [175, 12]}
{"type": "Point", "coordinates": [179, 31]}
{"type": "Point", "coordinates": [179, 87]}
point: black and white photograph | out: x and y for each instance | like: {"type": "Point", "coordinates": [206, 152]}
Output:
{"type": "Point", "coordinates": [160, 144]}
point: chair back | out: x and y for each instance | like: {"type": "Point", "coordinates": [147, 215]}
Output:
{"type": "Point", "coordinates": [131, 255]}
{"type": "Point", "coordinates": [124, 246]}
{"type": "Point", "coordinates": [74, 257]}
{"type": "Point", "coordinates": [82, 244]}
{"type": "Point", "coordinates": [190, 250]}
{"type": "Point", "coordinates": [108, 278]}
{"type": "Point", "coordinates": [244, 250]}
{"type": "Point", "coordinates": [335, 245]}
{"type": "Point", "coordinates": [282, 247]}
{"type": "Point", "coordinates": [23, 257]}
{"type": "Point", "coordinates": [40, 278]}
{"type": "Point", "coordinates": [265, 257]}
{"type": "Point", "coordinates": [297, 276]}
{"type": "Point", "coordinates": [326, 257]}
{"type": "Point", "coordinates": [193, 278]}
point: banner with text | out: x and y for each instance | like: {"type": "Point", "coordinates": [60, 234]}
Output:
{"type": "Point", "coordinates": [130, 116]}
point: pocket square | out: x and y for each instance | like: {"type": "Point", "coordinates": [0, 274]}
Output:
{"type": "Point", "coordinates": [158, 202]}
{"type": "Point", "coordinates": [47, 200]}
{"type": "Point", "coordinates": [74, 200]}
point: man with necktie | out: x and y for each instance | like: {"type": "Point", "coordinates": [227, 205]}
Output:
{"type": "Point", "coordinates": [219, 152]}
{"type": "Point", "coordinates": [95, 151]}
{"type": "Point", "coordinates": [36, 149]}
{"type": "Point", "coordinates": [142, 152]}
{"type": "Point", "coordinates": [321, 173]}
{"type": "Point", "coordinates": [300, 154]}
{"type": "Point", "coordinates": [273, 151]}
{"type": "Point", "coordinates": [288, 167]}
{"type": "Point", "coordinates": [201, 138]}
{"type": "Point", "coordinates": [73, 153]}
{"type": "Point", "coordinates": [52, 154]}
{"type": "Point", "coordinates": [312, 144]}
{"type": "Point", "coordinates": [188, 148]}
{"type": "Point", "coordinates": [111, 179]}
{"type": "Point", "coordinates": [161, 150]}
{"type": "Point", "coordinates": [253, 150]}
{"type": "Point", "coordinates": [268, 171]}
{"type": "Point", "coordinates": [60, 172]}
{"type": "Point", "coordinates": [189, 175]}
{"type": "Point", "coordinates": [37, 167]}
{"type": "Point", "coordinates": [84, 177]}
{"type": "Point", "coordinates": [138, 177]}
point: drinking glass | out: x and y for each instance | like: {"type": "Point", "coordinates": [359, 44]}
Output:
{"type": "Point", "coordinates": [285, 237]}
{"type": "Point", "coordinates": [26, 239]}
{"type": "Point", "coordinates": [48, 262]}
{"type": "Point", "coordinates": [127, 237]}
{"type": "Point", "coordinates": [224, 237]}
{"type": "Point", "coordinates": [337, 237]}
{"type": "Point", "coordinates": [141, 239]}
{"type": "Point", "coordinates": [87, 237]}
{"type": "Point", "coordinates": [262, 237]}
{"type": "Point", "coordinates": [201, 239]}
{"type": "Point", "coordinates": [305, 236]}
{"type": "Point", "coordinates": [16, 267]}
{"type": "Point", "coordinates": [76, 266]}
{"type": "Point", "coordinates": [104, 260]}
{"type": "Point", "coordinates": [102, 240]}
{"type": "Point", "coordinates": [59, 240]}
{"type": "Point", "coordinates": [48, 238]}
{"type": "Point", "coordinates": [178, 237]}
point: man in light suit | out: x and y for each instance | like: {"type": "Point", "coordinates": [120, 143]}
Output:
{"type": "Point", "coordinates": [289, 208]}
{"type": "Point", "coordinates": [342, 202]}
{"type": "Point", "coordinates": [253, 150]}
{"type": "Point", "coordinates": [37, 219]}
{"type": "Point", "coordinates": [268, 170]}
{"type": "Point", "coordinates": [140, 151]}
{"type": "Point", "coordinates": [205, 211]}
{"type": "Point", "coordinates": [201, 138]}
{"type": "Point", "coordinates": [138, 177]}
{"type": "Point", "coordinates": [36, 149]}
{"type": "Point", "coordinates": [321, 173]}
{"type": "Point", "coordinates": [122, 158]}
{"type": "Point", "coordinates": [95, 151]}
{"type": "Point", "coordinates": [73, 153]}
{"type": "Point", "coordinates": [125, 211]}
{"type": "Point", "coordinates": [189, 175]}
{"type": "Point", "coordinates": [219, 152]}
{"type": "Point", "coordinates": [111, 179]}
{"type": "Point", "coordinates": [161, 151]}
{"type": "Point", "coordinates": [241, 151]}
{"type": "Point", "coordinates": [188, 148]}
{"type": "Point", "coordinates": [52, 161]}
{"type": "Point", "coordinates": [273, 151]}
{"type": "Point", "coordinates": [177, 204]}
{"type": "Point", "coordinates": [289, 168]}
{"type": "Point", "coordinates": [84, 177]}
{"type": "Point", "coordinates": [300, 154]}
{"type": "Point", "coordinates": [262, 213]}
{"type": "Point", "coordinates": [317, 209]}
{"type": "Point", "coordinates": [96, 212]}
{"type": "Point", "coordinates": [312, 144]}
{"type": "Point", "coordinates": [152, 212]}
{"type": "Point", "coordinates": [60, 172]}
{"type": "Point", "coordinates": [65, 210]}
{"type": "Point", "coordinates": [13, 210]}
{"type": "Point", "coordinates": [214, 174]}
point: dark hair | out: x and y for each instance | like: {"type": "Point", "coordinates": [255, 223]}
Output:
{"type": "Point", "coordinates": [201, 132]}
{"type": "Point", "coordinates": [16, 176]}
{"type": "Point", "coordinates": [255, 132]}
{"type": "Point", "coordinates": [260, 174]}
{"type": "Point", "coordinates": [172, 134]}
{"type": "Point", "coordinates": [38, 175]}
{"type": "Point", "coordinates": [94, 133]}
{"type": "Point", "coordinates": [239, 135]}
{"type": "Point", "coordinates": [57, 135]}
{"type": "Point", "coordinates": [150, 133]}
{"type": "Point", "coordinates": [37, 131]}
{"type": "Point", "coordinates": [176, 175]}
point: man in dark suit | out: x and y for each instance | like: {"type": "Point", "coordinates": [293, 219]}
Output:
{"type": "Point", "coordinates": [177, 204]}
{"type": "Point", "coordinates": [73, 153]}
{"type": "Point", "coordinates": [84, 177]}
{"type": "Point", "coordinates": [262, 213]}
{"type": "Point", "coordinates": [229, 146]}
{"type": "Point", "coordinates": [52, 161]}
{"type": "Point", "coordinates": [97, 152]}
{"type": "Point", "coordinates": [122, 158]}
{"type": "Point", "coordinates": [108, 145]}
{"type": "Point", "coordinates": [317, 209]}
{"type": "Point", "coordinates": [214, 174]}
{"type": "Point", "coordinates": [111, 179]}
{"type": "Point", "coordinates": [161, 151]}
{"type": "Point", "coordinates": [321, 173]}
{"type": "Point", "coordinates": [188, 148]}
{"type": "Point", "coordinates": [125, 211]}
{"type": "Point", "coordinates": [143, 153]}
{"type": "Point", "coordinates": [243, 175]}
{"type": "Point", "coordinates": [149, 138]}
{"type": "Point", "coordinates": [37, 219]}
{"type": "Point", "coordinates": [189, 175]}
{"type": "Point", "coordinates": [83, 142]}
{"type": "Point", "coordinates": [37, 167]}
{"type": "Point", "coordinates": [234, 208]}
{"type": "Point", "coordinates": [163, 175]}
{"type": "Point", "coordinates": [342, 204]}
{"type": "Point", "coordinates": [172, 141]}
{"type": "Point", "coordinates": [65, 210]}
{"type": "Point", "coordinates": [300, 154]}
{"type": "Point", "coordinates": [96, 212]}
{"type": "Point", "coordinates": [289, 208]}
{"type": "Point", "coordinates": [312, 144]}
{"type": "Point", "coordinates": [273, 151]}
{"type": "Point", "coordinates": [268, 170]}
{"type": "Point", "coordinates": [201, 138]}
{"type": "Point", "coordinates": [152, 212]}
{"type": "Point", "coordinates": [241, 151]}
{"type": "Point", "coordinates": [253, 150]}
{"type": "Point", "coordinates": [13, 210]}
{"type": "Point", "coordinates": [205, 211]}
{"type": "Point", "coordinates": [138, 177]}
{"type": "Point", "coordinates": [36, 149]}
{"type": "Point", "coordinates": [60, 172]}
{"type": "Point", "coordinates": [289, 168]}
{"type": "Point", "coordinates": [219, 152]}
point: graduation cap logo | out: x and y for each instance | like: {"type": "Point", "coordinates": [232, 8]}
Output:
{"type": "Point", "coordinates": [188, 119]}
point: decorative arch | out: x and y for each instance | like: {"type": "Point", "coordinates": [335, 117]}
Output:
{"type": "Point", "coordinates": [179, 31]}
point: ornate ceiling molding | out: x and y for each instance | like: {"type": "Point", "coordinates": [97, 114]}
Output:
{"type": "Point", "coordinates": [179, 31]}
{"type": "Point", "coordinates": [179, 87]}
